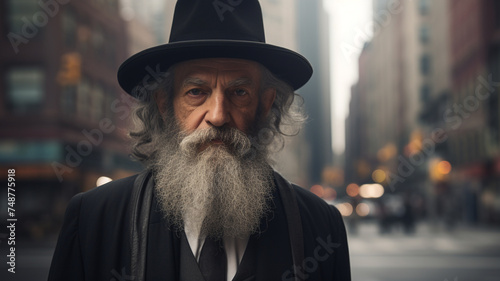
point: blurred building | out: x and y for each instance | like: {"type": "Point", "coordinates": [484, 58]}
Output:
{"type": "Point", "coordinates": [393, 69]}
{"type": "Point", "coordinates": [280, 26]}
{"type": "Point", "coordinates": [357, 165]}
{"type": "Point", "coordinates": [313, 43]}
{"type": "Point", "coordinates": [147, 22]}
{"type": "Point", "coordinates": [462, 102]}
{"type": "Point", "coordinates": [303, 27]}
{"type": "Point", "coordinates": [63, 113]}
{"type": "Point", "coordinates": [472, 119]}
{"type": "Point", "coordinates": [425, 108]}
{"type": "Point", "coordinates": [384, 135]}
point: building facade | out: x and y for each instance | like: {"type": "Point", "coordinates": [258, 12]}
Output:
{"type": "Point", "coordinates": [63, 113]}
{"type": "Point", "coordinates": [303, 27]}
{"type": "Point", "coordinates": [431, 120]}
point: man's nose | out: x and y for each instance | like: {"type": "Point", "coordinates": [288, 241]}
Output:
{"type": "Point", "coordinates": [218, 112]}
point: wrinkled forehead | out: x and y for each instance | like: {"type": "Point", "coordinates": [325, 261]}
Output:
{"type": "Point", "coordinates": [226, 68]}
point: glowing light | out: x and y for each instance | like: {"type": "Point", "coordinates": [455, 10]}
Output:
{"type": "Point", "coordinates": [318, 190]}
{"type": "Point", "coordinates": [415, 144]}
{"type": "Point", "coordinates": [333, 176]}
{"type": "Point", "coordinates": [329, 193]}
{"type": "Point", "coordinates": [444, 167]}
{"type": "Point", "coordinates": [363, 168]}
{"type": "Point", "coordinates": [352, 190]}
{"type": "Point", "coordinates": [363, 209]}
{"type": "Point", "coordinates": [371, 190]}
{"type": "Point", "coordinates": [345, 209]}
{"type": "Point", "coordinates": [102, 180]}
{"type": "Point", "coordinates": [387, 152]}
{"type": "Point", "coordinates": [378, 176]}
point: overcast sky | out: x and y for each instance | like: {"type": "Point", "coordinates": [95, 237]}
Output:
{"type": "Point", "coordinates": [350, 22]}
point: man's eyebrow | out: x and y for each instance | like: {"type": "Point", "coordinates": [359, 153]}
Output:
{"type": "Point", "coordinates": [240, 82]}
{"type": "Point", "coordinates": [193, 81]}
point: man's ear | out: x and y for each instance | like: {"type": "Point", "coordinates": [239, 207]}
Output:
{"type": "Point", "coordinates": [267, 100]}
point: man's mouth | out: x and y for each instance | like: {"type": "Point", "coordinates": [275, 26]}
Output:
{"type": "Point", "coordinates": [216, 141]}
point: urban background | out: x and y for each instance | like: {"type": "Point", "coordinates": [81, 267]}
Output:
{"type": "Point", "coordinates": [418, 182]}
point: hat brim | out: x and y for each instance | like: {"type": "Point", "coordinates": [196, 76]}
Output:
{"type": "Point", "coordinates": [285, 64]}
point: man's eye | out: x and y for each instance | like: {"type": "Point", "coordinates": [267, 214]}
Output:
{"type": "Point", "coordinates": [240, 92]}
{"type": "Point", "coordinates": [195, 92]}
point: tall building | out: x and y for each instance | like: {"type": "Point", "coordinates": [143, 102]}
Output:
{"type": "Point", "coordinates": [62, 111]}
{"type": "Point", "coordinates": [313, 43]}
{"type": "Point", "coordinates": [398, 71]}
{"type": "Point", "coordinates": [471, 116]}
{"type": "Point", "coordinates": [391, 73]}
{"type": "Point", "coordinates": [356, 124]}
{"type": "Point", "coordinates": [432, 121]}
{"type": "Point", "coordinates": [280, 26]}
{"type": "Point", "coordinates": [303, 27]}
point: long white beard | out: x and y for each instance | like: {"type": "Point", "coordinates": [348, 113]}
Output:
{"type": "Point", "coordinates": [221, 190]}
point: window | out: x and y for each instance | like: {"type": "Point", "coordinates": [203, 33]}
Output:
{"type": "Point", "coordinates": [69, 25]}
{"type": "Point", "coordinates": [68, 100]}
{"type": "Point", "coordinates": [423, 6]}
{"type": "Point", "coordinates": [83, 99]}
{"type": "Point", "coordinates": [25, 88]}
{"type": "Point", "coordinates": [424, 34]}
{"type": "Point", "coordinates": [98, 42]}
{"type": "Point", "coordinates": [425, 93]}
{"type": "Point", "coordinates": [425, 64]}
{"type": "Point", "coordinates": [97, 102]}
{"type": "Point", "coordinates": [108, 99]}
{"type": "Point", "coordinates": [15, 151]}
{"type": "Point", "coordinates": [19, 9]}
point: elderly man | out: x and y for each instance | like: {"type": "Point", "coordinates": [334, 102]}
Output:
{"type": "Point", "coordinates": [213, 104]}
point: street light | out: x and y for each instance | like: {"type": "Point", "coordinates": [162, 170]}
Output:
{"type": "Point", "coordinates": [352, 190]}
{"type": "Point", "coordinates": [374, 190]}
{"type": "Point", "coordinates": [379, 176]}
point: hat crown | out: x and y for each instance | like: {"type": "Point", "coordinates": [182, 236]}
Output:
{"type": "Point", "coordinates": [220, 19]}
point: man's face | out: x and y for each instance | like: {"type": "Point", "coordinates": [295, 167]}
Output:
{"type": "Point", "coordinates": [215, 101]}
{"type": "Point", "coordinates": [219, 92]}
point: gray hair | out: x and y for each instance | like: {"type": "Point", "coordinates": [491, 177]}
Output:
{"type": "Point", "coordinates": [285, 118]}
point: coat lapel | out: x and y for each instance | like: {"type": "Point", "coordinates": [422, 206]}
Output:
{"type": "Point", "coordinates": [163, 258]}
{"type": "Point", "coordinates": [268, 253]}
{"type": "Point", "coordinates": [189, 269]}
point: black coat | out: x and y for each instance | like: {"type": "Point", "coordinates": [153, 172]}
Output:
{"type": "Point", "coordinates": [95, 241]}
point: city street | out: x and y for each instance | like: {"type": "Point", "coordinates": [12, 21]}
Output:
{"type": "Point", "coordinates": [464, 255]}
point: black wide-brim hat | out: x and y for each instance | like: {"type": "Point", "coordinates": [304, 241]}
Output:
{"type": "Point", "coordinates": [215, 29]}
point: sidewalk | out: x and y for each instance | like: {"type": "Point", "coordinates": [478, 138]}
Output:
{"type": "Point", "coordinates": [426, 240]}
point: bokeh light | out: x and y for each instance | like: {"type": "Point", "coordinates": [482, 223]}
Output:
{"type": "Point", "coordinates": [374, 190]}
{"type": "Point", "coordinates": [352, 190]}
{"type": "Point", "coordinates": [379, 176]}
{"type": "Point", "coordinates": [329, 194]}
{"type": "Point", "coordinates": [444, 167]}
{"type": "Point", "coordinates": [102, 180]}
{"type": "Point", "coordinates": [363, 209]}
{"type": "Point", "coordinates": [345, 209]}
{"type": "Point", "coordinates": [318, 190]}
